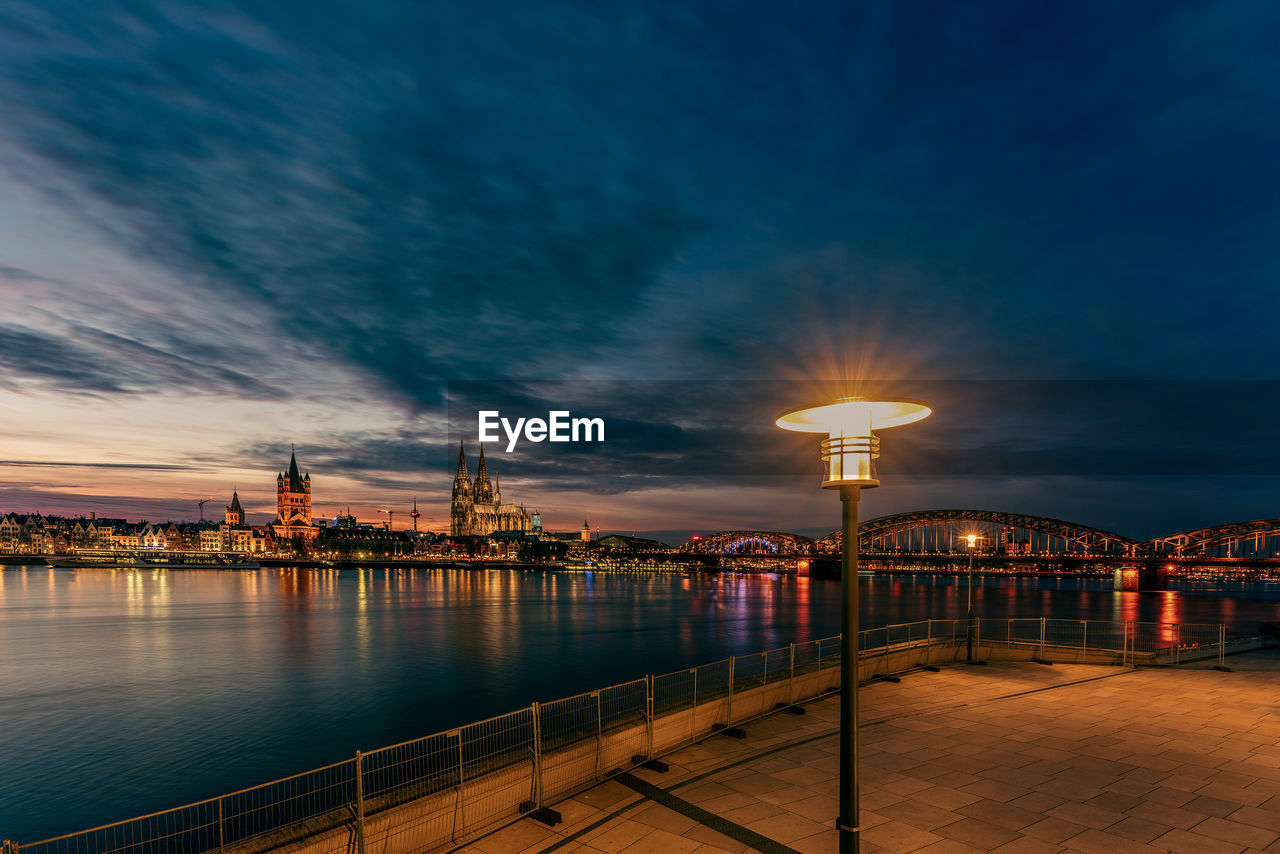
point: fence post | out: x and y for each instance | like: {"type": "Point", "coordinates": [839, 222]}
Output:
{"type": "Point", "coordinates": [885, 656]}
{"type": "Point", "coordinates": [537, 755]}
{"type": "Point", "coordinates": [764, 681]}
{"type": "Point", "coordinates": [460, 812]}
{"type": "Point", "coordinates": [648, 690]}
{"type": "Point", "coordinates": [222, 836]}
{"type": "Point", "coordinates": [1222, 644]}
{"type": "Point", "coordinates": [1125, 656]}
{"type": "Point", "coordinates": [599, 734]}
{"type": "Point", "coordinates": [693, 714]}
{"type": "Point", "coordinates": [791, 683]}
{"type": "Point", "coordinates": [359, 804]}
{"type": "Point", "coordinates": [1084, 635]}
{"type": "Point", "coordinates": [1042, 624]}
{"type": "Point", "coordinates": [1177, 643]}
{"type": "Point", "coordinates": [729, 720]}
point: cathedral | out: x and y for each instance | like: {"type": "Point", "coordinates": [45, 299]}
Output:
{"type": "Point", "coordinates": [293, 506]}
{"type": "Point", "coordinates": [477, 508]}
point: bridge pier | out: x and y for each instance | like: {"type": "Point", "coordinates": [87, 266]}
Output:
{"type": "Point", "coordinates": [1150, 575]}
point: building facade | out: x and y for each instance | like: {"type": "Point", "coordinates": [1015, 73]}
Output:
{"type": "Point", "coordinates": [293, 508]}
{"type": "Point", "coordinates": [477, 509]}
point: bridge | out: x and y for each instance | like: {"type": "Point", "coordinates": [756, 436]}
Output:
{"type": "Point", "coordinates": [751, 542]}
{"type": "Point", "coordinates": [942, 532]}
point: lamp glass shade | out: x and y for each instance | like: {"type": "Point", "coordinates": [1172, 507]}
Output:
{"type": "Point", "coordinates": [844, 417]}
{"type": "Point", "coordinates": [851, 446]}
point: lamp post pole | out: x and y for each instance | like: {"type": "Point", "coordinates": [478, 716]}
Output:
{"type": "Point", "coordinates": [850, 832]}
{"type": "Point", "coordinates": [969, 631]}
{"type": "Point", "coordinates": [849, 453]}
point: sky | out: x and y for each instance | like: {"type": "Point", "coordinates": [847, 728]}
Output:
{"type": "Point", "coordinates": [226, 229]}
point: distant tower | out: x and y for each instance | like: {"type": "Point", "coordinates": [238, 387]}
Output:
{"type": "Point", "coordinates": [234, 512]}
{"type": "Point", "coordinates": [414, 514]}
{"type": "Point", "coordinates": [462, 503]}
{"type": "Point", "coordinates": [293, 495]}
{"type": "Point", "coordinates": [483, 493]}
{"type": "Point", "coordinates": [586, 531]}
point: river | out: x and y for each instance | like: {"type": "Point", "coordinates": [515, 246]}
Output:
{"type": "Point", "coordinates": [125, 692]}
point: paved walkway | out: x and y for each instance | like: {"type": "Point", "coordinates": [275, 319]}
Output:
{"type": "Point", "coordinates": [1006, 758]}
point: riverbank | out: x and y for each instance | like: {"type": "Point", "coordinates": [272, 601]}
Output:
{"type": "Point", "coordinates": [1007, 758]}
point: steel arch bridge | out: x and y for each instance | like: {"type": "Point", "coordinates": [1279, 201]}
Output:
{"type": "Point", "coordinates": [1204, 540]}
{"type": "Point", "coordinates": [1087, 540]}
{"type": "Point", "coordinates": [745, 542]}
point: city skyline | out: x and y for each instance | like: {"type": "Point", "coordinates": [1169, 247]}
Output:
{"type": "Point", "coordinates": [225, 230]}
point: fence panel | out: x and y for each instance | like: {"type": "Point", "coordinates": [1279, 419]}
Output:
{"type": "Point", "coordinates": [828, 664]}
{"type": "Point", "coordinates": [498, 765]}
{"type": "Point", "coordinates": [777, 678]}
{"type": "Point", "coordinates": [190, 828]}
{"type": "Point", "coordinates": [572, 742]}
{"type": "Point", "coordinates": [673, 710]}
{"type": "Point", "coordinates": [427, 772]}
{"type": "Point", "coordinates": [309, 804]}
{"type": "Point", "coordinates": [748, 685]}
{"type": "Point", "coordinates": [624, 722]}
{"type": "Point", "coordinates": [713, 696]}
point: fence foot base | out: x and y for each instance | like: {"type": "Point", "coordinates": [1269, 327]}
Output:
{"type": "Point", "coordinates": [731, 731]}
{"type": "Point", "coordinates": [546, 815]}
{"type": "Point", "coordinates": [791, 710]}
{"type": "Point", "coordinates": [1042, 661]}
{"type": "Point", "coordinates": [894, 679]}
{"type": "Point", "coordinates": [656, 765]}
{"type": "Point", "coordinates": [977, 661]}
{"type": "Point", "coordinates": [932, 668]}
{"type": "Point", "coordinates": [1222, 667]}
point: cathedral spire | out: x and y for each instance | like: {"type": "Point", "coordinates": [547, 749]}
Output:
{"type": "Point", "coordinates": [295, 479]}
{"type": "Point", "coordinates": [484, 488]}
{"type": "Point", "coordinates": [462, 462]}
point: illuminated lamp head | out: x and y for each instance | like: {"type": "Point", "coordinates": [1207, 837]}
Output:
{"type": "Point", "coordinates": [851, 446]}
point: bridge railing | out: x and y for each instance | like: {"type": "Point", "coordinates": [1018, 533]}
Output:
{"type": "Point", "coordinates": [440, 791]}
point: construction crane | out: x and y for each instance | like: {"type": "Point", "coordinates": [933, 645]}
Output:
{"type": "Point", "coordinates": [391, 515]}
{"type": "Point", "coordinates": [202, 502]}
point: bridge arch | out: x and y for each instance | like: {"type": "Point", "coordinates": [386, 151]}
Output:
{"type": "Point", "coordinates": [1086, 539]}
{"type": "Point", "coordinates": [1205, 540]}
{"type": "Point", "coordinates": [747, 542]}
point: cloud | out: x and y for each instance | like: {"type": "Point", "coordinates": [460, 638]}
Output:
{"type": "Point", "coordinates": [370, 200]}
{"type": "Point", "coordinates": [61, 464]}
{"type": "Point", "coordinates": [94, 361]}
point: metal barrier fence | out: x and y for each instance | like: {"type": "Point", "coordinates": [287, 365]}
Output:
{"type": "Point", "coordinates": [437, 792]}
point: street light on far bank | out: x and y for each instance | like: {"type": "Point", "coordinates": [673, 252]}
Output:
{"type": "Point", "coordinates": [849, 453]}
{"type": "Point", "coordinates": [971, 543]}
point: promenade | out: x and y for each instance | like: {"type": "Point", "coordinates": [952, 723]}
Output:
{"type": "Point", "coordinates": [1012, 757]}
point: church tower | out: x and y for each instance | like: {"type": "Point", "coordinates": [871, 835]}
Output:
{"type": "Point", "coordinates": [293, 495]}
{"type": "Point", "coordinates": [235, 513]}
{"type": "Point", "coordinates": [461, 506]}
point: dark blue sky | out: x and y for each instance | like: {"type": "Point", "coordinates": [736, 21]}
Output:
{"type": "Point", "coordinates": [225, 227]}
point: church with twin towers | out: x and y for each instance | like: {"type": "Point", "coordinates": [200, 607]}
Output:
{"type": "Point", "coordinates": [477, 509]}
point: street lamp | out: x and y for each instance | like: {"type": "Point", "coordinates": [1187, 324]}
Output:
{"type": "Point", "coordinates": [971, 540]}
{"type": "Point", "coordinates": [849, 453]}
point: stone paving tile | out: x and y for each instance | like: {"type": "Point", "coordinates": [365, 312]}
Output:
{"type": "Point", "coordinates": [1100, 842]}
{"type": "Point", "coordinates": [1185, 842]}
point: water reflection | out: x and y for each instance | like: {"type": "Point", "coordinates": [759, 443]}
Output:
{"type": "Point", "coordinates": [191, 683]}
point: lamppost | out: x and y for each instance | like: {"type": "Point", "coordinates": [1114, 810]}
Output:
{"type": "Point", "coordinates": [972, 542]}
{"type": "Point", "coordinates": [849, 453]}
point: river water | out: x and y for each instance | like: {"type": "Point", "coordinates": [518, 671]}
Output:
{"type": "Point", "coordinates": [126, 692]}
